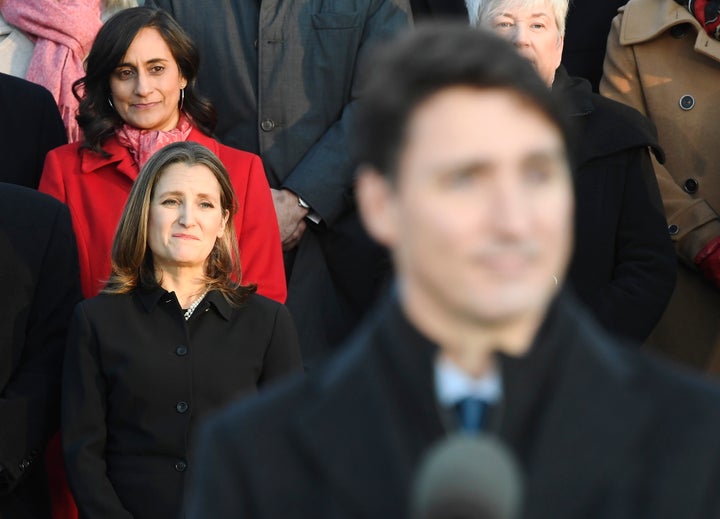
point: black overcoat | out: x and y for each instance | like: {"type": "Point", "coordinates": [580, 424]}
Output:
{"type": "Point", "coordinates": [137, 379]}
{"type": "Point", "coordinates": [624, 264]}
{"type": "Point", "coordinates": [600, 430]}
{"type": "Point", "coordinates": [40, 287]}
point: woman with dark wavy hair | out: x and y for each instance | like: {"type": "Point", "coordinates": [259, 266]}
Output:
{"type": "Point", "coordinates": [137, 96]}
{"type": "Point", "coordinates": [173, 335]}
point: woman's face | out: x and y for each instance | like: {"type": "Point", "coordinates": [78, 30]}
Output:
{"type": "Point", "coordinates": [185, 217]}
{"type": "Point", "coordinates": [145, 86]}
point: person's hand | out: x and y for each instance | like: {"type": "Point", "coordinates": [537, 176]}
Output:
{"type": "Point", "coordinates": [290, 216]}
{"type": "Point", "coordinates": [708, 261]}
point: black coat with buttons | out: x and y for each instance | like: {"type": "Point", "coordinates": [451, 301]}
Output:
{"type": "Point", "coordinates": [137, 380]}
{"type": "Point", "coordinates": [40, 288]}
{"type": "Point", "coordinates": [624, 264]}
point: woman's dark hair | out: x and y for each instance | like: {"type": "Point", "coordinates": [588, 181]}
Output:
{"type": "Point", "coordinates": [132, 259]}
{"type": "Point", "coordinates": [96, 117]}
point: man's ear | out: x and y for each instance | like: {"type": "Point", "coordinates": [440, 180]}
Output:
{"type": "Point", "coordinates": [377, 203]}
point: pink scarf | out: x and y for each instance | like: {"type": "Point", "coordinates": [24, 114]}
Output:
{"type": "Point", "coordinates": [63, 31]}
{"type": "Point", "coordinates": [143, 143]}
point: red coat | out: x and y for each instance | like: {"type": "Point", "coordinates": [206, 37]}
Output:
{"type": "Point", "coordinates": [96, 189]}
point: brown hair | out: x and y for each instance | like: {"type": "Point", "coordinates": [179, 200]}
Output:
{"type": "Point", "coordinates": [132, 260]}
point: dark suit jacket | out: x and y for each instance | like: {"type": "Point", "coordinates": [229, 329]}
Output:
{"type": "Point", "coordinates": [138, 378]}
{"type": "Point", "coordinates": [601, 431]}
{"type": "Point", "coordinates": [40, 286]}
{"type": "Point", "coordinates": [30, 127]}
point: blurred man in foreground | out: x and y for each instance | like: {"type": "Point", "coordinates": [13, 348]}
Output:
{"type": "Point", "coordinates": [466, 180]}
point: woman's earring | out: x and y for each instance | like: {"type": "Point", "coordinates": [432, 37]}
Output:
{"type": "Point", "coordinates": [111, 103]}
{"type": "Point", "coordinates": [182, 98]}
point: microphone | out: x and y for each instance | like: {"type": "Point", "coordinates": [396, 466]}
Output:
{"type": "Point", "coordinates": [467, 477]}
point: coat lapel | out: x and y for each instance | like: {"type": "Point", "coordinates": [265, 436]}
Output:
{"type": "Point", "coordinates": [384, 418]}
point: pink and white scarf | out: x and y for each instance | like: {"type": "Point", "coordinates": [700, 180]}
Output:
{"type": "Point", "coordinates": [63, 31]}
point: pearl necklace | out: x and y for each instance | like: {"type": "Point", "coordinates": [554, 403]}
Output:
{"type": "Point", "coordinates": [194, 305]}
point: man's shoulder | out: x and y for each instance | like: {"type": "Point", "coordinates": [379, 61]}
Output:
{"type": "Point", "coordinates": [23, 91]}
{"type": "Point", "coordinates": [689, 400]}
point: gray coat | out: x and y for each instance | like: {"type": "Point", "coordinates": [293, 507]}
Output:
{"type": "Point", "coordinates": [285, 78]}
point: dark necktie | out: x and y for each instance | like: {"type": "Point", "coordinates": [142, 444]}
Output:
{"type": "Point", "coordinates": [471, 412]}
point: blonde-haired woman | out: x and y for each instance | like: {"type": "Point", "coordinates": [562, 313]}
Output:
{"type": "Point", "coordinates": [173, 335]}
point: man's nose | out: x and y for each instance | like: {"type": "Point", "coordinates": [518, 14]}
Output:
{"type": "Point", "coordinates": [511, 210]}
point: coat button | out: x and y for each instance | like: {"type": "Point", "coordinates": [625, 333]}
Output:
{"type": "Point", "coordinates": [181, 351]}
{"type": "Point", "coordinates": [690, 186]}
{"type": "Point", "coordinates": [679, 31]}
{"type": "Point", "coordinates": [687, 102]}
{"type": "Point", "coordinates": [673, 229]}
{"type": "Point", "coordinates": [180, 466]}
{"type": "Point", "coordinates": [181, 407]}
{"type": "Point", "coordinates": [267, 125]}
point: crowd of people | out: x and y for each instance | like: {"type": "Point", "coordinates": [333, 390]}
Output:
{"type": "Point", "coordinates": [395, 221]}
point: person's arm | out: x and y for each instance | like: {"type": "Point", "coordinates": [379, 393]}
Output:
{"type": "Point", "coordinates": [645, 263]}
{"type": "Point", "coordinates": [261, 259]}
{"type": "Point", "coordinates": [324, 177]}
{"type": "Point", "coordinates": [29, 404]}
{"type": "Point", "coordinates": [282, 355]}
{"type": "Point", "coordinates": [692, 222]}
{"type": "Point", "coordinates": [84, 426]}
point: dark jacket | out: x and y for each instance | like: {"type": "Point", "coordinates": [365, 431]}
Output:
{"type": "Point", "coordinates": [31, 126]}
{"type": "Point", "coordinates": [601, 431]}
{"type": "Point", "coordinates": [40, 287]}
{"type": "Point", "coordinates": [624, 264]}
{"type": "Point", "coordinates": [587, 27]}
{"type": "Point", "coordinates": [451, 9]}
{"type": "Point", "coordinates": [137, 379]}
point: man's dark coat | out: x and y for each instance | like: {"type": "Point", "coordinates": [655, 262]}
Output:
{"type": "Point", "coordinates": [601, 431]}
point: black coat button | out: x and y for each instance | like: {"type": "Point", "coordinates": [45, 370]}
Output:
{"type": "Point", "coordinates": [687, 102]}
{"type": "Point", "coordinates": [181, 351]}
{"type": "Point", "coordinates": [267, 125]}
{"type": "Point", "coordinates": [673, 229]}
{"type": "Point", "coordinates": [181, 407]}
{"type": "Point", "coordinates": [690, 186]}
{"type": "Point", "coordinates": [180, 466]}
{"type": "Point", "coordinates": [679, 31]}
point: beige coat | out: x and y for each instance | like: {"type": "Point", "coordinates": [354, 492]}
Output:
{"type": "Point", "coordinates": [660, 61]}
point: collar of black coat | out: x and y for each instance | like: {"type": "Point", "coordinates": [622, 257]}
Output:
{"type": "Point", "coordinates": [570, 414]}
{"type": "Point", "coordinates": [151, 296]}
{"type": "Point", "coordinates": [601, 127]}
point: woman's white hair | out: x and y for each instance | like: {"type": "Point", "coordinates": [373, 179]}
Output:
{"type": "Point", "coordinates": [480, 9]}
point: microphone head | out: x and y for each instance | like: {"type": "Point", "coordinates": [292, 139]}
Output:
{"type": "Point", "coordinates": [467, 476]}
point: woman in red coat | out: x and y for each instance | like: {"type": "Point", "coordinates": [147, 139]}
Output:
{"type": "Point", "coordinates": [137, 96]}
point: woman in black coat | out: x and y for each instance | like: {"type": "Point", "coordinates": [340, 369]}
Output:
{"type": "Point", "coordinates": [173, 335]}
